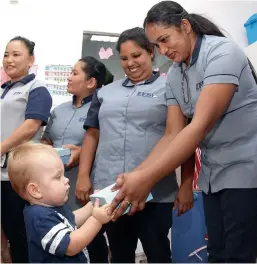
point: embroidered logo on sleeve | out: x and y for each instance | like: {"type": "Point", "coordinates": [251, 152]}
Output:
{"type": "Point", "coordinates": [17, 93]}
{"type": "Point", "coordinates": [199, 86]}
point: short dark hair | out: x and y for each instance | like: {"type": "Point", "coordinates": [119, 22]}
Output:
{"type": "Point", "coordinates": [96, 69]}
{"type": "Point", "coordinates": [137, 35]}
{"type": "Point", "coordinates": [28, 44]}
{"type": "Point", "coordinates": [170, 13]}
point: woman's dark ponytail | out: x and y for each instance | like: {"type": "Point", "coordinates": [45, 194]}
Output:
{"type": "Point", "coordinates": [203, 26]}
{"type": "Point", "coordinates": [170, 13]}
{"type": "Point", "coordinates": [108, 77]}
{"type": "Point", "coordinates": [95, 68]}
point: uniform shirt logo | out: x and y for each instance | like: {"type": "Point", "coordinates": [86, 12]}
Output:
{"type": "Point", "coordinates": [199, 86]}
{"type": "Point", "coordinates": [149, 95]}
{"type": "Point", "coordinates": [17, 93]}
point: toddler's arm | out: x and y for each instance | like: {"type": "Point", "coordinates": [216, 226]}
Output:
{"type": "Point", "coordinates": [81, 237]}
{"type": "Point", "coordinates": [82, 214]}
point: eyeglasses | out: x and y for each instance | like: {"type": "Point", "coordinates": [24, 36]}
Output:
{"type": "Point", "coordinates": [185, 87]}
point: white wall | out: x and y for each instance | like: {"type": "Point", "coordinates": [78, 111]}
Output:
{"type": "Point", "coordinates": [251, 52]}
{"type": "Point", "coordinates": [229, 15]}
{"type": "Point", "coordinates": [56, 26]}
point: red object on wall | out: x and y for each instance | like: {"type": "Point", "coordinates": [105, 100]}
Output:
{"type": "Point", "coordinates": [4, 77]}
{"type": "Point", "coordinates": [197, 168]}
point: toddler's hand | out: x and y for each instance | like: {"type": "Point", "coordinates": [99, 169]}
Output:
{"type": "Point", "coordinates": [102, 213]}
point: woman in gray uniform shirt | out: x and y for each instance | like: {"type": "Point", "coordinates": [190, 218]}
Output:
{"type": "Point", "coordinates": [125, 121]}
{"type": "Point", "coordinates": [25, 108]}
{"type": "Point", "coordinates": [211, 82]}
{"type": "Point", "coordinates": [65, 129]}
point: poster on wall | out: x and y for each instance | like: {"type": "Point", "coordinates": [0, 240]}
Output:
{"type": "Point", "coordinates": [4, 77]}
{"type": "Point", "coordinates": [56, 78]}
{"type": "Point", "coordinates": [102, 46]}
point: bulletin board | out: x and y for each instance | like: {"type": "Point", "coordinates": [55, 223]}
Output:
{"type": "Point", "coordinates": [56, 79]}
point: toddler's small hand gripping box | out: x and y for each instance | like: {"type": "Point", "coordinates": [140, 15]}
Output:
{"type": "Point", "coordinates": [106, 196]}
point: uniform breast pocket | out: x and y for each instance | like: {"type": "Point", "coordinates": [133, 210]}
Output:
{"type": "Point", "coordinates": [150, 110]}
{"type": "Point", "coordinates": [15, 103]}
{"type": "Point", "coordinates": [152, 135]}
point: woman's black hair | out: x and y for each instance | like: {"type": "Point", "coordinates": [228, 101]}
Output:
{"type": "Point", "coordinates": [95, 68]}
{"type": "Point", "coordinates": [137, 35]}
{"type": "Point", "coordinates": [170, 13]}
{"type": "Point", "coordinates": [28, 44]}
